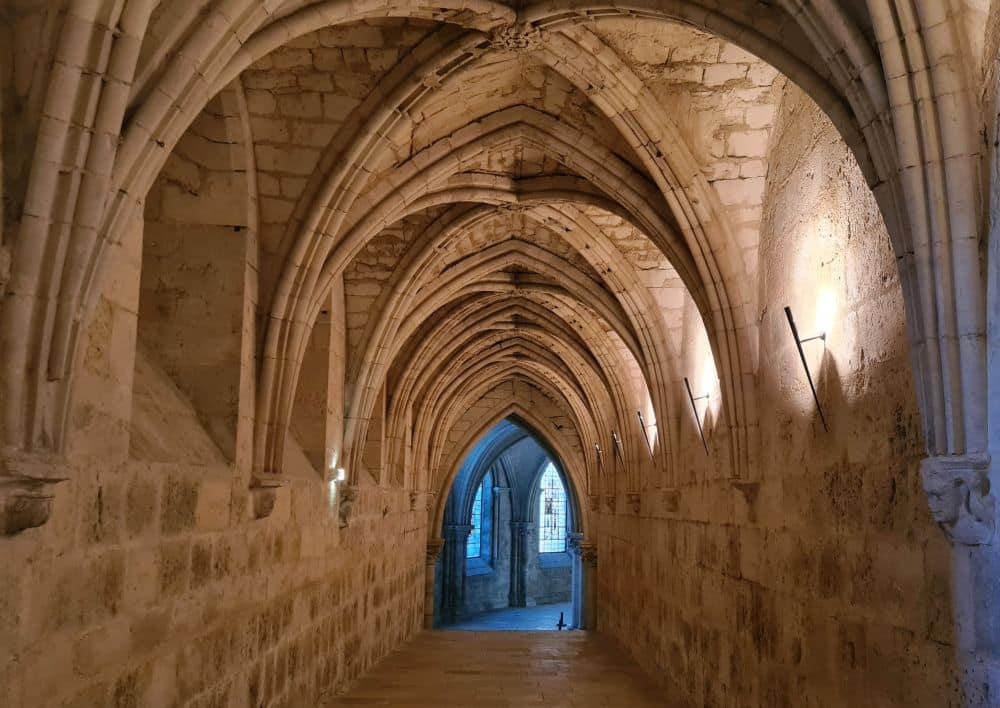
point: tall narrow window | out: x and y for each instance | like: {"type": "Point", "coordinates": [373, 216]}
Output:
{"type": "Point", "coordinates": [474, 546]}
{"type": "Point", "coordinates": [551, 513]}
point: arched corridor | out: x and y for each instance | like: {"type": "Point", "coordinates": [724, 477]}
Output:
{"type": "Point", "coordinates": [329, 324]}
{"type": "Point", "coordinates": [511, 537]}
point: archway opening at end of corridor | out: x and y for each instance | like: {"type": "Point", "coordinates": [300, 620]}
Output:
{"type": "Point", "coordinates": [511, 558]}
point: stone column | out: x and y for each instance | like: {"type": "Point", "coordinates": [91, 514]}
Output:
{"type": "Point", "coordinates": [520, 544]}
{"type": "Point", "coordinates": [456, 537]}
{"type": "Point", "coordinates": [959, 492]}
{"type": "Point", "coordinates": [584, 582]}
{"type": "Point", "coordinates": [434, 547]}
{"type": "Point", "coordinates": [501, 497]}
{"type": "Point", "coordinates": [576, 581]}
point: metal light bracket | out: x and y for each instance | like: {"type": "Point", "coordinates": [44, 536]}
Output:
{"type": "Point", "coordinates": [694, 408]}
{"type": "Point", "coordinates": [617, 441]}
{"type": "Point", "coordinates": [645, 434]}
{"type": "Point", "coordinates": [805, 364]}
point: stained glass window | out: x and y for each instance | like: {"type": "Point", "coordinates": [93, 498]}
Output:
{"type": "Point", "coordinates": [474, 546]}
{"type": "Point", "coordinates": [551, 513]}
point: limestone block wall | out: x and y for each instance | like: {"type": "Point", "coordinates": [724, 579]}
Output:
{"type": "Point", "coordinates": [152, 585]}
{"type": "Point", "coordinates": [143, 593]}
{"type": "Point", "coordinates": [195, 247]}
{"type": "Point", "coordinates": [822, 580]}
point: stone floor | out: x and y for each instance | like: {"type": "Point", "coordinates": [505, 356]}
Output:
{"type": "Point", "coordinates": [505, 670]}
{"type": "Point", "coordinates": [543, 617]}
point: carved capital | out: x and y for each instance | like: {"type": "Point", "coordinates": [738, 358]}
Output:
{"type": "Point", "coordinates": [27, 489]}
{"type": "Point", "coordinates": [346, 497]}
{"type": "Point", "coordinates": [264, 495]}
{"type": "Point", "coordinates": [612, 501]}
{"type": "Point", "coordinates": [459, 533]}
{"type": "Point", "coordinates": [595, 502]}
{"type": "Point", "coordinates": [516, 38]}
{"type": "Point", "coordinates": [635, 502]}
{"type": "Point", "coordinates": [958, 493]}
{"type": "Point", "coordinates": [434, 547]}
{"type": "Point", "coordinates": [585, 550]}
{"type": "Point", "coordinates": [24, 508]}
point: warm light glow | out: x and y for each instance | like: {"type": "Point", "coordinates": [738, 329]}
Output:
{"type": "Point", "coordinates": [649, 415]}
{"type": "Point", "coordinates": [826, 310]}
{"type": "Point", "coordinates": [331, 487]}
{"type": "Point", "coordinates": [331, 495]}
{"type": "Point", "coordinates": [706, 379]}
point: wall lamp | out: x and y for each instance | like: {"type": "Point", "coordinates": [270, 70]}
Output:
{"type": "Point", "coordinates": [645, 433]}
{"type": "Point", "coordinates": [600, 457]}
{"type": "Point", "coordinates": [697, 418]}
{"type": "Point", "coordinates": [805, 364]}
{"type": "Point", "coordinates": [617, 441]}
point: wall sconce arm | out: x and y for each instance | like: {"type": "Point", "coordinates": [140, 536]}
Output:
{"type": "Point", "coordinates": [697, 418]}
{"type": "Point", "coordinates": [805, 364]}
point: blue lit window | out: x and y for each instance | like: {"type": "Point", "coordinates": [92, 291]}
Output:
{"type": "Point", "coordinates": [474, 546]}
{"type": "Point", "coordinates": [551, 513]}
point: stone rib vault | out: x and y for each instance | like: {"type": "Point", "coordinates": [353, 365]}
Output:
{"type": "Point", "coordinates": [271, 270]}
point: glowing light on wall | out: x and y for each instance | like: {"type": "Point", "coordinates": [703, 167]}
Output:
{"type": "Point", "coordinates": [709, 379]}
{"type": "Point", "coordinates": [339, 476]}
{"type": "Point", "coordinates": [705, 383]}
{"type": "Point", "coordinates": [649, 414]}
{"type": "Point", "coordinates": [799, 341]}
{"type": "Point", "coordinates": [813, 283]}
{"type": "Point", "coordinates": [826, 312]}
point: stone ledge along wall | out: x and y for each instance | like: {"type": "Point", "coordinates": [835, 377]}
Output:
{"type": "Point", "coordinates": [147, 590]}
{"type": "Point", "coordinates": [141, 592]}
{"type": "Point", "coordinates": [823, 581]}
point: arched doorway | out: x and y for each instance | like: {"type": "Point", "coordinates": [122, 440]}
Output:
{"type": "Point", "coordinates": [510, 530]}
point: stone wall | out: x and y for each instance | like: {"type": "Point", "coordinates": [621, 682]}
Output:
{"type": "Point", "coordinates": [822, 581]}
{"type": "Point", "coordinates": [153, 585]}
{"type": "Point", "coordinates": [143, 593]}
{"type": "Point", "coordinates": [549, 583]}
{"type": "Point", "coordinates": [799, 569]}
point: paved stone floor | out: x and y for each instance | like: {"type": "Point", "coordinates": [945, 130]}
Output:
{"type": "Point", "coordinates": [505, 670]}
{"type": "Point", "coordinates": [543, 617]}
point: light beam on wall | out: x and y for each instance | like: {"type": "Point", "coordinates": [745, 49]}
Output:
{"type": "Point", "coordinates": [826, 310]}
{"type": "Point", "coordinates": [339, 476]}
